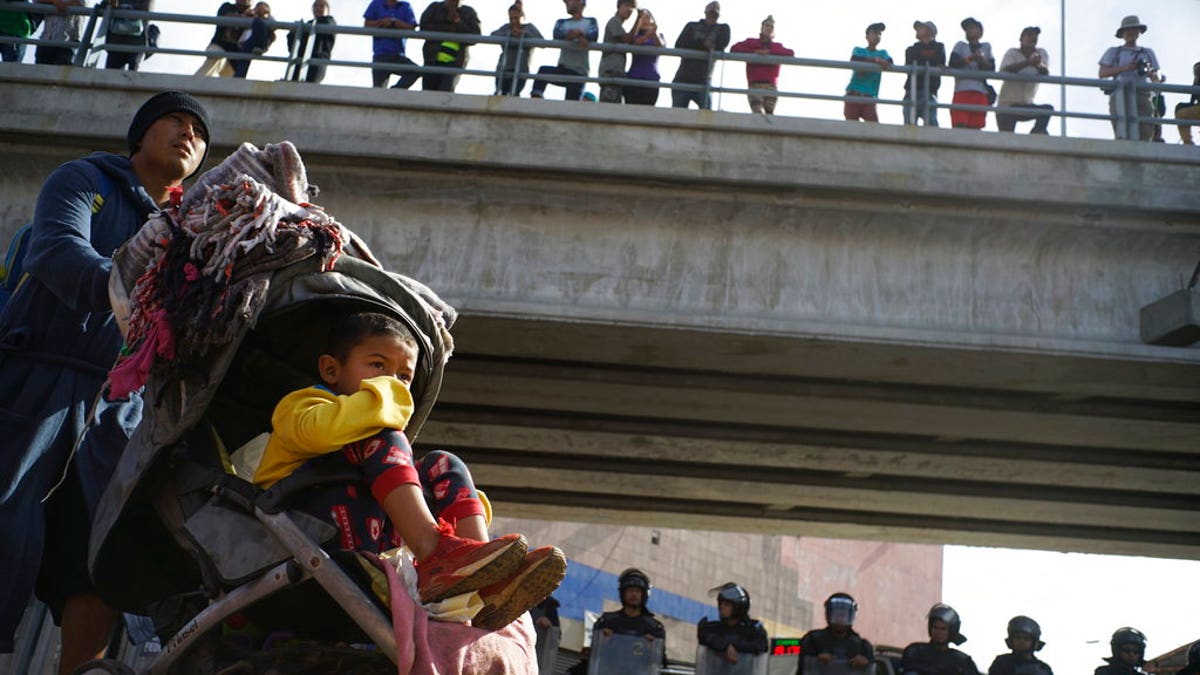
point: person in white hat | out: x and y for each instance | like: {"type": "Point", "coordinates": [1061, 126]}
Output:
{"type": "Point", "coordinates": [1128, 64]}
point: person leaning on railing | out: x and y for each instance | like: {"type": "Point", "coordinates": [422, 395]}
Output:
{"type": "Point", "coordinates": [706, 35]}
{"type": "Point", "coordinates": [59, 27]}
{"type": "Point", "coordinates": [18, 25]}
{"type": "Point", "coordinates": [764, 76]}
{"type": "Point", "coordinates": [322, 42]}
{"type": "Point", "coordinates": [865, 83]}
{"type": "Point", "coordinates": [644, 66]}
{"type": "Point", "coordinates": [225, 40]}
{"type": "Point", "coordinates": [449, 16]}
{"type": "Point", "coordinates": [1191, 109]}
{"type": "Point", "coordinates": [514, 58]}
{"type": "Point", "coordinates": [1028, 59]}
{"type": "Point", "coordinates": [129, 32]}
{"type": "Point", "coordinates": [919, 101]}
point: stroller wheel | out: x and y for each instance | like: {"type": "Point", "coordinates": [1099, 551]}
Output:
{"type": "Point", "coordinates": [103, 667]}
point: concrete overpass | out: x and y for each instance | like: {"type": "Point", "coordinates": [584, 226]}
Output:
{"type": "Point", "coordinates": [717, 321]}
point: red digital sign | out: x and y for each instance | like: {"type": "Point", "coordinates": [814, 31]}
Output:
{"type": "Point", "coordinates": [785, 647]}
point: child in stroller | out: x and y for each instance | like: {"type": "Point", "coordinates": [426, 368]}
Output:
{"type": "Point", "coordinates": [182, 537]}
{"type": "Point", "coordinates": [357, 416]}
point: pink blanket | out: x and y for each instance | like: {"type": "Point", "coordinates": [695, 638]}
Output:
{"type": "Point", "coordinates": [427, 647]}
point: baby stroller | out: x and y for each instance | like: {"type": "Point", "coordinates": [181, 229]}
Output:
{"type": "Point", "coordinates": [181, 539]}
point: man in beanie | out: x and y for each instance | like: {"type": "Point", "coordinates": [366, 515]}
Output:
{"type": "Point", "coordinates": [58, 339]}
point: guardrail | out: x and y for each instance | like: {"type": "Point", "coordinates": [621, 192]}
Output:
{"type": "Point", "coordinates": [91, 45]}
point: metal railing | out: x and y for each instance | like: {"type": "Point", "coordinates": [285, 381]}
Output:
{"type": "Point", "coordinates": [91, 45]}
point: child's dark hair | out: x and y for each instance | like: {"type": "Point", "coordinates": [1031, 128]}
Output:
{"type": "Point", "coordinates": [349, 330]}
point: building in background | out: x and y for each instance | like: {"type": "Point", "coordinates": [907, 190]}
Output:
{"type": "Point", "coordinates": [788, 579]}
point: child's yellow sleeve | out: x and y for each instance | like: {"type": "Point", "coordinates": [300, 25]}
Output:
{"type": "Point", "coordinates": [314, 422]}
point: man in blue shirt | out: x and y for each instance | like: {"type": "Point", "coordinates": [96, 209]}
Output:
{"type": "Point", "coordinates": [396, 14]}
{"type": "Point", "coordinates": [865, 83]}
{"type": "Point", "coordinates": [58, 338]}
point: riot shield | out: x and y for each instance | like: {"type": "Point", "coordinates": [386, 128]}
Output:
{"type": "Point", "coordinates": [547, 649]}
{"type": "Point", "coordinates": [624, 655]}
{"type": "Point", "coordinates": [710, 662]}
{"type": "Point", "coordinates": [836, 667]}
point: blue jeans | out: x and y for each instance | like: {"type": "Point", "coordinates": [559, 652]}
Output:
{"type": "Point", "coordinates": [380, 76]}
{"type": "Point", "coordinates": [681, 98]}
{"type": "Point", "coordinates": [574, 89]}
{"type": "Point", "coordinates": [11, 52]}
{"type": "Point", "coordinates": [922, 109]}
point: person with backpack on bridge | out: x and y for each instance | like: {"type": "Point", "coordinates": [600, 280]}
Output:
{"type": "Point", "coordinates": [58, 339]}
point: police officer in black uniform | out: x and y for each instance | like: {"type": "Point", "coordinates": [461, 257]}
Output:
{"type": "Point", "coordinates": [733, 633]}
{"type": "Point", "coordinates": [937, 657]}
{"type": "Point", "coordinates": [1128, 647]}
{"type": "Point", "coordinates": [633, 618]}
{"type": "Point", "coordinates": [1024, 638]}
{"type": "Point", "coordinates": [837, 641]}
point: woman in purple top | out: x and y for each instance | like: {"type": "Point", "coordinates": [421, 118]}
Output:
{"type": "Point", "coordinates": [644, 66]}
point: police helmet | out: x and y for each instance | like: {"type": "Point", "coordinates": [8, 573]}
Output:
{"type": "Point", "coordinates": [635, 578]}
{"type": "Point", "coordinates": [1128, 636]}
{"type": "Point", "coordinates": [736, 595]}
{"type": "Point", "coordinates": [840, 608]}
{"type": "Point", "coordinates": [944, 612]}
{"type": "Point", "coordinates": [1024, 624]}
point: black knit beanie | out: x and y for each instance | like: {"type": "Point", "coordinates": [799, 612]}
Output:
{"type": "Point", "coordinates": [161, 104]}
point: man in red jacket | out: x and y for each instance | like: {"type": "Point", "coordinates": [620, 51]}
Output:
{"type": "Point", "coordinates": [763, 75]}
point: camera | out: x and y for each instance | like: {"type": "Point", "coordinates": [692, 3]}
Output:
{"type": "Point", "coordinates": [1144, 66]}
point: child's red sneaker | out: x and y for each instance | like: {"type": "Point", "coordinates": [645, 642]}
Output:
{"type": "Point", "coordinates": [460, 565]}
{"type": "Point", "coordinates": [505, 601]}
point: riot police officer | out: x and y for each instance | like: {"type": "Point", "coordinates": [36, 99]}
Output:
{"type": "Point", "coordinates": [837, 641]}
{"type": "Point", "coordinates": [633, 618]}
{"type": "Point", "coordinates": [1128, 646]}
{"type": "Point", "coordinates": [937, 657]}
{"type": "Point", "coordinates": [1024, 638]}
{"type": "Point", "coordinates": [733, 633]}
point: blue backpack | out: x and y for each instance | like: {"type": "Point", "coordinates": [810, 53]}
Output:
{"type": "Point", "coordinates": [12, 274]}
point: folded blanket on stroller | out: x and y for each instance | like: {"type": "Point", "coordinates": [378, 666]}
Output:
{"type": "Point", "coordinates": [199, 269]}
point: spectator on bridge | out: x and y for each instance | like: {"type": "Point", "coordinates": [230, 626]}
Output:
{"type": "Point", "coordinates": [1129, 64]}
{"type": "Point", "coordinates": [937, 657]}
{"type": "Point", "coordinates": [1024, 638]}
{"type": "Point", "coordinates": [763, 76]}
{"type": "Point", "coordinates": [60, 27]}
{"type": "Point", "coordinates": [225, 40]}
{"type": "Point", "coordinates": [450, 16]}
{"type": "Point", "coordinates": [1028, 59]}
{"type": "Point", "coordinates": [322, 42]}
{"type": "Point", "coordinates": [612, 63]}
{"type": "Point", "coordinates": [59, 339]}
{"type": "Point", "coordinates": [733, 634]}
{"type": "Point", "coordinates": [971, 54]}
{"type": "Point", "coordinates": [865, 83]}
{"type": "Point", "coordinates": [513, 67]}
{"type": "Point", "coordinates": [1128, 647]}
{"type": "Point", "coordinates": [837, 641]}
{"type": "Point", "coordinates": [571, 60]}
{"type": "Point", "coordinates": [1191, 109]}
{"type": "Point", "coordinates": [633, 618]}
{"type": "Point", "coordinates": [704, 35]}
{"type": "Point", "coordinates": [18, 25]}
{"type": "Point", "coordinates": [396, 14]}
{"type": "Point", "coordinates": [644, 66]}
{"type": "Point", "coordinates": [256, 40]}
{"type": "Point", "coordinates": [920, 102]}
{"type": "Point", "coordinates": [132, 33]}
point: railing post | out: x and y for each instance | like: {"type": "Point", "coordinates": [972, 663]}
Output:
{"type": "Point", "coordinates": [708, 82]}
{"type": "Point", "coordinates": [1118, 98]}
{"type": "Point", "coordinates": [1132, 114]}
{"type": "Point", "coordinates": [86, 40]}
{"type": "Point", "coordinates": [928, 97]}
